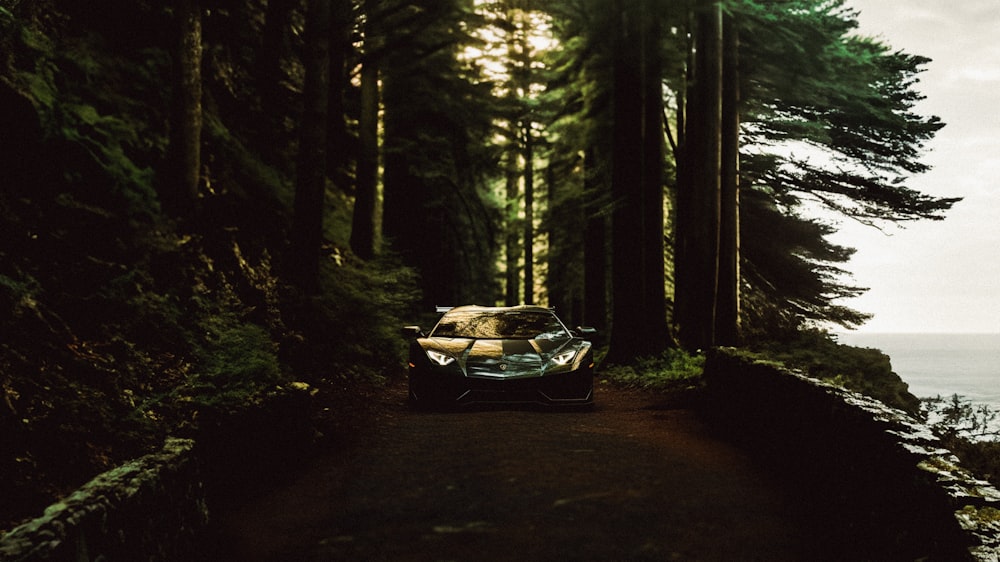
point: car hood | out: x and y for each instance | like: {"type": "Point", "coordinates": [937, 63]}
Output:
{"type": "Point", "coordinates": [503, 358]}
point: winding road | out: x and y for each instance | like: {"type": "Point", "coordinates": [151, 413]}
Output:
{"type": "Point", "coordinates": [637, 478]}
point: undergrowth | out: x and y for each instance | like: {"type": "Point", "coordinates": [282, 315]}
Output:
{"type": "Point", "coordinates": [674, 370]}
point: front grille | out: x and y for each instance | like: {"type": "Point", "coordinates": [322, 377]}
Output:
{"type": "Point", "coordinates": [574, 387]}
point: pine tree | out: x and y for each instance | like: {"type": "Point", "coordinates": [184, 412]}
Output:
{"type": "Point", "coordinates": [812, 86]}
{"type": "Point", "coordinates": [438, 212]}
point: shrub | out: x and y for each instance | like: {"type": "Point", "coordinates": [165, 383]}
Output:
{"type": "Point", "coordinates": [959, 417]}
{"type": "Point", "coordinates": [969, 431]}
{"type": "Point", "coordinates": [236, 360]}
{"type": "Point", "coordinates": [358, 313]}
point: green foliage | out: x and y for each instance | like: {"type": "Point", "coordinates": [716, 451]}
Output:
{"type": "Point", "coordinates": [830, 118]}
{"type": "Point", "coordinates": [235, 360]}
{"type": "Point", "coordinates": [96, 145]}
{"type": "Point", "coordinates": [105, 140]}
{"type": "Point", "coordinates": [180, 303]}
{"type": "Point", "coordinates": [820, 86]}
{"type": "Point", "coordinates": [360, 309]}
{"type": "Point", "coordinates": [675, 369]}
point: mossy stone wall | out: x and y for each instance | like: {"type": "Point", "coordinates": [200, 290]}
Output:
{"type": "Point", "coordinates": [881, 471]}
{"type": "Point", "coordinates": [152, 508]}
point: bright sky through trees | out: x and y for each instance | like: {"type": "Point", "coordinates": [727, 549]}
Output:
{"type": "Point", "coordinates": [494, 51]}
{"type": "Point", "coordinates": [941, 276]}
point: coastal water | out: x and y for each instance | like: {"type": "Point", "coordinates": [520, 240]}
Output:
{"type": "Point", "coordinates": [941, 364]}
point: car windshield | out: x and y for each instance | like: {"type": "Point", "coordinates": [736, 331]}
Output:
{"type": "Point", "coordinates": [499, 325]}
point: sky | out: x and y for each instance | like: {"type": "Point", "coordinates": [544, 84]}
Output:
{"type": "Point", "coordinates": [940, 276]}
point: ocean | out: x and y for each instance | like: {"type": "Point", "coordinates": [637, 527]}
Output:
{"type": "Point", "coordinates": [941, 364]}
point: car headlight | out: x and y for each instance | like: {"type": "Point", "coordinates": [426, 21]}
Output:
{"type": "Point", "coordinates": [564, 358]}
{"type": "Point", "coordinates": [439, 358]}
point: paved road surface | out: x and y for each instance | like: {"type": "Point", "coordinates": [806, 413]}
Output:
{"type": "Point", "coordinates": [630, 480]}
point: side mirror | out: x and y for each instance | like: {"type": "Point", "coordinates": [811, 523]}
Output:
{"type": "Point", "coordinates": [585, 332]}
{"type": "Point", "coordinates": [411, 332]}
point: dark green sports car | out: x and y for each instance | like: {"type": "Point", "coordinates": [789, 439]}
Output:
{"type": "Point", "coordinates": [520, 354]}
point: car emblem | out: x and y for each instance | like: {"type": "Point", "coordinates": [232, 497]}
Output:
{"type": "Point", "coordinates": [503, 366]}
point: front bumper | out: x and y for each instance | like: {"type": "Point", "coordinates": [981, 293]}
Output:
{"type": "Point", "coordinates": [430, 388]}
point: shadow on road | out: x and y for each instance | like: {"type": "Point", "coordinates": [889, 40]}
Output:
{"type": "Point", "coordinates": [637, 478]}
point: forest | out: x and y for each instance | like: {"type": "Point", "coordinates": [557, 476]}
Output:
{"type": "Point", "coordinates": [205, 202]}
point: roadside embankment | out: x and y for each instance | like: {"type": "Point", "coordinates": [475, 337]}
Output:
{"type": "Point", "coordinates": [156, 507]}
{"type": "Point", "coordinates": [151, 508]}
{"type": "Point", "coordinates": [877, 466]}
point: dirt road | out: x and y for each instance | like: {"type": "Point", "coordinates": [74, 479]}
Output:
{"type": "Point", "coordinates": [634, 479]}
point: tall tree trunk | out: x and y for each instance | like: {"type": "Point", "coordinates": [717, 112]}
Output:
{"type": "Point", "coordinates": [529, 215]}
{"type": "Point", "coordinates": [595, 247]}
{"type": "Point", "coordinates": [698, 193]}
{"type": "Point", "coordinates": [310, 187]}
{"type": "Point", "coordinates": [727, 316]}
{"type": "Point", "coordinates": [627, 335]}
{"type": "Point", "coordinates": [653, 227]}
{"type": "Point", "coordinates": [338, 140]}
{"type": "Point", "coordinates": [563, 219]}
{"type": "Point", "coordinates": [363, 231]}
{"type": "Point", "coordinates": [271, 75]}
{"type": "Point", "coordinates": [179, 187]}
{"type": "Point", "coordinates": [512, 233]}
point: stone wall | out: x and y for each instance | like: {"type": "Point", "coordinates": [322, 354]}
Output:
{"type": "Point", "coordinates": [881, 472]}
{"type": "Point", "coordinates": [156, 508]}
{"type": "Point", "coordinates": [151, 508]}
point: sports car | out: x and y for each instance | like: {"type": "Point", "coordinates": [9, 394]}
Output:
{"type": "Point", "coordinates": [519, 354]}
